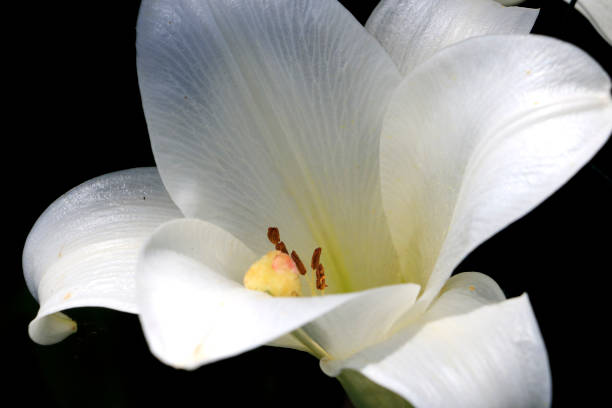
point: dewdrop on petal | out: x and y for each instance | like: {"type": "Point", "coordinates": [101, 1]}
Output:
{"type": "Point", "coordinates": [276, 274]}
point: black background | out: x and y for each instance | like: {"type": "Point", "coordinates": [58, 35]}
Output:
{"type": "Point", "coordinates": [78, 115]}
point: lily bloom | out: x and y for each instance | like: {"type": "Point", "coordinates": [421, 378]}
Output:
{"type": "Point", "coordinates": [396, 150]}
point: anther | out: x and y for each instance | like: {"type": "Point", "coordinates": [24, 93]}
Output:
{"type": "Point", "coordinates": [315, 262]}
{"type": "Point", "coordinates": [274, 235]}
{"type": "Point", "coordinates": [321, 277]}
{"type": "Point", "coordinates": [298, 263]}
{"type": "Point", "coordinates": [281, 247]}
{"type": "Point", "coordinates": [316, 255]}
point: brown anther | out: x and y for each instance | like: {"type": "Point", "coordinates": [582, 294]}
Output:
{"type": "Point", "coordinates": [315, 263]}
{"type": "Point", "coordinates": [316, 255]}
{"type": "Point", "coordinates": [320, 270]}
{"type": "Point", "coordinates": [321, 277]}
{"type": "Point", "coordinates": [281, 247]}
{"type": "Point", "coordinates": [274, 235]}
{"type": "Point", "coordinates": [298, 262]}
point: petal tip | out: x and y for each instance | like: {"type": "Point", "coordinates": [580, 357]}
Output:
{"type": "Point", "coordinates": [51, 329]}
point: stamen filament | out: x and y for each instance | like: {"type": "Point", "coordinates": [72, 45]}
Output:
{"type": "Point", "coordinates": [311, 285]}
{"type": "Point", "coordinates": [314, 347]}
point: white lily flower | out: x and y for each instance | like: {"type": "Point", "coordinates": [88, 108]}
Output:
{"type": "Point", "coordinates": [396, 163]}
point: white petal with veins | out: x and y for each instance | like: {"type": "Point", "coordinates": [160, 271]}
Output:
{"type": "Point", "coordinates": [479, 135]}
{"type": "Point", "coordinates": [413, 30]}
{"type": "Point", "coordinates": [469, 350]}
{"type": "Point", "coordinates": [268, 113]}
{"type": "Point", "coordinates": [363, 320]}
{"type": "Point", "coordinates": [82, 251]}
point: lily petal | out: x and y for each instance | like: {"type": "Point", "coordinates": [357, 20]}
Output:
{"type": "Point", "coordinates": [288, 341]}
{"type": "Point", "coordinates": [362, 321]}
{"type": "Point", "coordinates": [413, 30]}
{"type": "Point", "coordinates": [82, 250]}
{"type": "Point", "coordinates": [194, 309]}
{"type": "Point", "coordinates": [464, 352]}
{"type": "Point", "coordinates": [358, 323]}
{"type": "Point", "coordinates": [268, 113]}
{"type": "Point", "coordinates": [599, 13]}
{"type": "Point", "coordinates": [479, 135]}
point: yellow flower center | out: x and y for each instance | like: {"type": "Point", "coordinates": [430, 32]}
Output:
{"type": "Point", "coordinates": [278, 273]}
{"type": "Point", "coordinates": [274, 273]}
